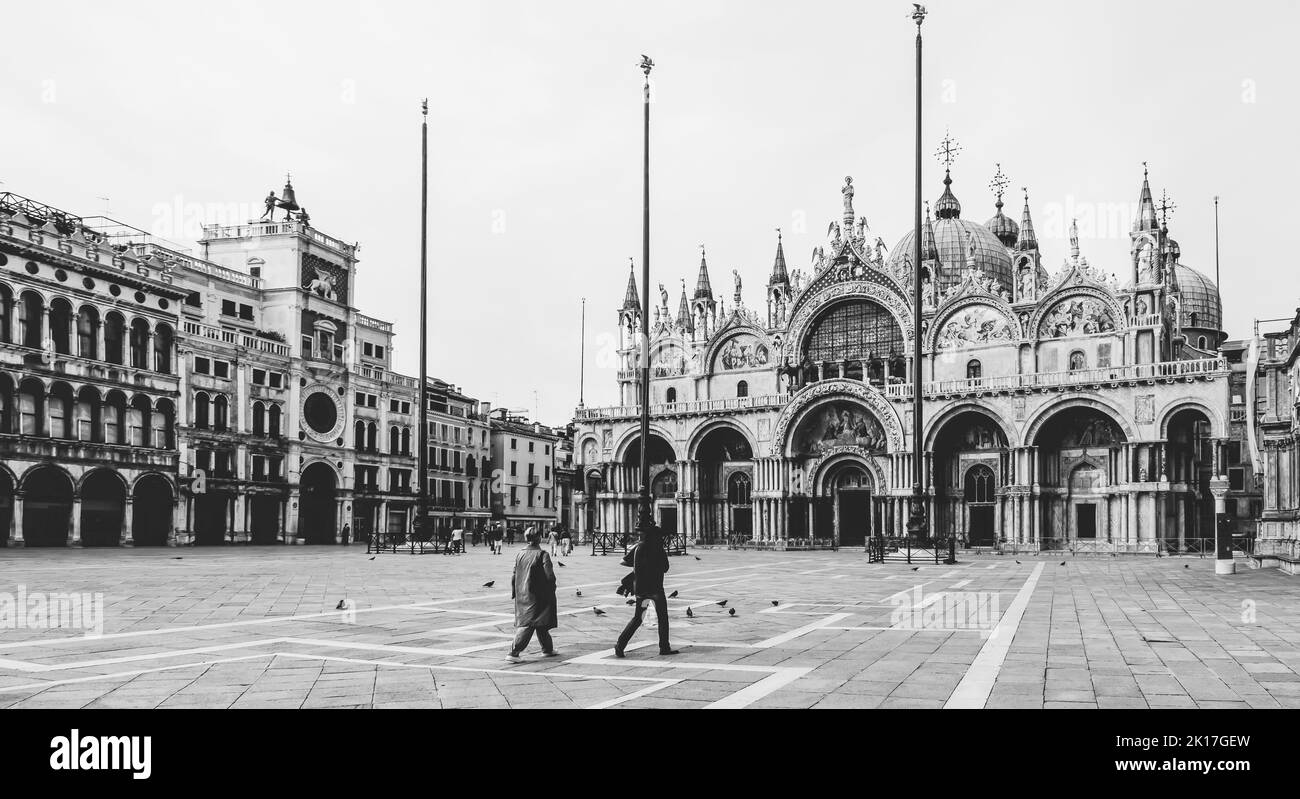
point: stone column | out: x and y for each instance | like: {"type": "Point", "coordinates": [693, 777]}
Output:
{"type": "Point", "coordinates": [128, 519]}
{"type": "Point", "coordinates": [291, 517]}
{"type": "Point", "coordinates": [74, 536]}
{"type": "Point", "coordinates": [16, 523]}
{"type": "Point", "coordinates": [99, 340]}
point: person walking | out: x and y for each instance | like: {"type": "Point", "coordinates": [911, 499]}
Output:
{"type": "Point", "coordinates": [532, 587]}
{"type": "Point", "coordinates": [458, 540]}
{"type": "Point", "coordinates": [649, 564]}
{"type": "Point", "coordinates": [566, 541]}
{"type": "Point", "coordinates": [555, 539]}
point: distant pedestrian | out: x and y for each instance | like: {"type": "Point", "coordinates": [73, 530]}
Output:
{"type": "Point", "coordinates": [566, 541]}
{"type": "Point", "coordinates": [555, 539]}
{"type": "Point", "coordinates": [532, 586]}
{"type": "Point", "coordinates": [347, 533]}
{"type": "Point", "coordinates": [458, 540]}
{"type": "Point", "coordinates": [649, 564]}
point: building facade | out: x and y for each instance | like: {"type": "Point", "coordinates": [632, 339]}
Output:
{"type": "Point", "coordinates": [1058, 406]}
{"type": "Point", "coordinates": [89, 385]}
{"type": "Point", "coordinates": [1275, 416]}
{"type": "Point", "coordinates": [524, 485]}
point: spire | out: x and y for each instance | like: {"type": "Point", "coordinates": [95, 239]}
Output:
{"type": "Point", "coordinates": [1074, 239]}
{"type": "Point", "coordinates": [1002, 226]}
{"type": "Point", "coordinates": [779, 273]}
{"type": "Point", "coordinates": [684, 311]}
{"type": "Point", "coordinates": [630, 301]}
{"type": "Point", "coordinates": [947, 207]}
{"type": "Point", "coordinates": [703, 291]}
{"type": "Point", "coordinates": [929, 250]}
{"type": "Point", "coordinates": [1146, 215]}
{"type": "Point", "coordinates": [1027, 240]}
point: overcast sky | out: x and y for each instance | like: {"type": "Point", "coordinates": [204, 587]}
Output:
{"type": "Point", "coordinates": [761, 109]}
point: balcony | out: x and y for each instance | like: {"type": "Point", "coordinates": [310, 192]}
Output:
{"type": "Point", "coordinates": [685, 408]}
{"type": "Point", "coordinates": [235, 338]}
{"type": "Point", "coordinates": [282, 228]}
{"type": "Point", "coordinates": [170, 259]}
{"type": "Point", "coordinates": [1169, 370]}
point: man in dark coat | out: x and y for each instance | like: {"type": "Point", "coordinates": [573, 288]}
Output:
{"type": "Point", "coordinates": [532, 586]}
{"type": "Point", "coordinates": [649, 564]}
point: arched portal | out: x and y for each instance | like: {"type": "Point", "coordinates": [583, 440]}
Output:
{"type": "Point", "coordinates": [151, 511]}
{"type": "Point", "coordinates": [47, 507]}
{"type": "Point", "coordinates": [103, 507]}
{"type": "Point", "coordinates": [969, 439]}
{"type": "Point", "coordinates": [1080, 456]}
{"type": "Point", "coordinates": [842, 510]}
{"type": "Point", "coordinates": [6, 505]}
{"type": "Point", "coordinates": [1189, 511]}
{"type": "Point", "coordinates": [211, 517]}
{"type": "Point", "coordinates": [722, 454]}
{"type": "Point", "coordinates": [318, 508]}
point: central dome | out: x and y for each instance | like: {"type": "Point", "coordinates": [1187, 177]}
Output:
{"type": "Point", "coordinates": [953, 238]}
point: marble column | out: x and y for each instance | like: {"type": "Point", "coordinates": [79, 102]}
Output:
{"type": "Point", "coordinates": [74, 535]}
{"type": "Point", "coordinates": [16, 523]}
{"type": "Point", "coordinates": [128, 522]}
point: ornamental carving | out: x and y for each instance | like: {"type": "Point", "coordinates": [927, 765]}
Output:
{"type": "Point", "coordinates": [1079, 315]}
{"type": "Point", "coordinates": [849, 389]}
{"type": "Point", "coordinates": [838, 424]}
{"type": "Point", "coordinates": [803, 317]}
{"type": "Point", "coordinates": [745, 351]}
{"type": "Point", "coordinates": [974, 325]}
{"type": "Point", "coordinates": [814, 468]}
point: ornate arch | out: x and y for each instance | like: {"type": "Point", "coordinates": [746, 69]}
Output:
{"type": "Point", "coordinates": [693, 443]}
{"type": "Point", "coordinates": [141, 477]}
{"type": "Point", "coordinates": [937, 423]}
{"type": "Point", "coordinates": [819, 470]}
{"type": "Point", "coordinates": [588, 438]}
{"type": "Point", "coordinates": [1043, 414]}
{"type": "Point", "coordinates": [828, 390]}
{"type": "Point", "coordinates": [22, 484]}
{"type": "Point", "coordinates": [714, 347]}
{"type": "Point", "coordinates": [6, 472]}
{"type": "Point", "coordinates": [811, 306]}
{"type": "Point", "coordinates": [625, 441]}
{"type": "Point", "coordinates": [951, 308]}
{"type": "Point", "coordinates": [1069, 291]}
{"type": "Point", "coordinates": [1217, 429]}
{"type": "Point", "coordinates": [117, 476]}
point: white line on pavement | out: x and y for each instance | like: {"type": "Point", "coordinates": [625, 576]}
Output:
{"type": "Point", "coordinates": [974, 689]}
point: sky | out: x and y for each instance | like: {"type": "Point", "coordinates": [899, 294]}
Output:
{"type": "Point", "coordinates": [760, 109]}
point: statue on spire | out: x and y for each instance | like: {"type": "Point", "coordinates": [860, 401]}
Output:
{"type": "Point", "coordinates": [735, 274]}
{"type": "Point", "coordinates": [847, 191]}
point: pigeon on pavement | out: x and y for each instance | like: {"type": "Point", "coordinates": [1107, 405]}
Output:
{"type": "Point", "coordinates": [599, 612]}
{"type": "Point", "coordinates": [721, 604]}
{"type": "Point", "coordinates": [1062, 563]}
{"type": "Point", "coordinates": [697, 557]}
{"type": "Point", "coordinates": [342, 605]}
{"type": "Point", "coordinates": [689, 615]}
{"type": "Point", "coordinates": [672, 595]}
{"type": "Point", "coordinates": [560, 562]}
{"type": "Point", "coordinates": [731, 612]}
{"type": "Point", "coordinates": [372, 557]}
{"type": "Point", "coordinates": [775, 603]}
{"type": "Point", "coordinates": [489, 583]}
{"type": "Point", "coordinates": [579, 592]}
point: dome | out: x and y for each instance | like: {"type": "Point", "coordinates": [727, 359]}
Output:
{"type": "Point", "coordinates": [1004, 227]}
{"type": "Point", "coordinates": [952, 237]}
{"type": "Point", "coordinates": [1200, 299]}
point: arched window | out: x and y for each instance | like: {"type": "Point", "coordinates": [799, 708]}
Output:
{"type": "Point", "coordinates": [221, 413]}
{"type": "Point", "coordinates": [671, 396]}
{"type": "Point", "coordinates": [61, 326]}
{"type": "Point", "coordinates": [483, 494]}
{"type": "Point", "coordinates": [738, 489]}
{"type": "Point", "coordinates": [259, 419]}
{"type": "Point", "coordinates": [372, 437]}
{"type": "Point", "coordinates": [87, 414]}
{"type": "Point", "coordinates": [31, 408]}
{"type": "Point", "coordinates": [6, 311]}
{"type": "Point", "coordinates": [114, 333]}
{"type": "Point", "coordinates": [87, 322]}
{"type": "Point", "coordinates": [742, 389]}
{"type": "Point", "coordinates": [30, 310]}
{"type": "Point", "coordinates": [139, 344]}
{"type": "Point", "coordinates": [164, 425]}
{"type": "Point", "coordinates": [6, 399]}
{"type": "Point", "coordinates": [359, 436]}
{"type": "Point", "coordinates": [394, 440]}
{"type": "Point", "coordinates": [1193, 324]}
{"type": "Point", "coordinates": [406, 441]}
{"type": "Point", "coordinates": [974, 369]}
{"type": "Point", "coordinates": [979, 484]}
{"type": "Point", "coordinates": [274, 427]}
{"type": "Point", "coordinates": [1202, 342]}
{"type": "Point", "coordinates": [1078, 361]}
{"type": "Point", "coordinates": [61, 411]}
{"type": "Point", "coordinates": [854, 331]}
{"type": "Point", "coordinates": [114, 414]}
{"type": "Point", "coordinates": [137, 421]}
{"type": "Point", "coordinates": [162, 349]}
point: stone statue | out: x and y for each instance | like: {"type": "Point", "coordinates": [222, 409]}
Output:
{"type": "Point", "coordinates": [270, 205]}
{"type": "Point", "coordinates": [1146, 270]}
{"type": "Point", "coordinates": [735, 274]}
{"type": "Point", "coordinates": [847, 191]}
{"type": "Point", "coordinates": [818, 257]}
{"type": "Point", "coordinates": [322, 284]}
{"type": "Point", "coordinates": [663, 295]}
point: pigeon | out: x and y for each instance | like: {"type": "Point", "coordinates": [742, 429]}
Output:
{"type": "Point", "coordinates": [1017, 563]}
{"type": "Point", "coordinates": [178, 557]}
{"type": "Point", "coordinates": [489, 583]}
{"type": "Point", "coordinates": [697, 557]}
{"type": "Point", "coordinates": [721, 604]}
{"type": "Point", "coordinates": [598, 611]}
{"type": "Point", "coordinates": [689, 615]}
{"type": "Point", "coordinates": [1062, 563]}
{"type": "Point", "coordinates": [673, 595]}
{"type": "Point", "coordinates": [731, 612]}
{"type": "Point", "coordinates": [775, 603]}
{"type": "Point", "coordinates": [579, 592]}
{"type": "Point", "coordinates": [560, 562]}
{"type": "Point", "coordinates": [372, 557]}
{"type": "Point", "coordinates": [342, 605]}
{"type": "Point", "coordinates": [1185, 566]}
{"type": "Point", "coordinates": [630, 602]}
{"type": "Point", "coordinates": [914, 568]}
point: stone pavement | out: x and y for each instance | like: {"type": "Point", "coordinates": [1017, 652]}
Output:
{"type": "Point", "coordinates": [251, 627]}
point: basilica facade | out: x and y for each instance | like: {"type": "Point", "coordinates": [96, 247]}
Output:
{"type": "Point", "coordinates": [1082, 406]}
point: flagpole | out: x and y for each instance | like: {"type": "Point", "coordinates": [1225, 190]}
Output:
{"type": "Point", "coordinates": [582, 354]}
{"type": "Point", "coordinates": [422, 513]}
{"type": "Point", "coordinates": [645, 520]}
{"type": "Point", "coordinates": [916, 524]}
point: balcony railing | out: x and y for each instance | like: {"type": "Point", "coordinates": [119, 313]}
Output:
{"type": "Point", "coordinates": [174, 258]}
{"type": "Point", "coordinates": [371, 322]}
{"type": "Point", "coordinates": [235, 338]}
{"type": "Point", "coordinates": [687, 407]}
{"type": "Point", "coordinates": [1109, 374]}
{"type": "Point", "coordinates": [283, 228]}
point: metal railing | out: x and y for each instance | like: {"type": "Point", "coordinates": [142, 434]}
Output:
{"type": "Point", "coordinates": [905, 549]}
{"type": "Point", "coordinates": [1108, 374]}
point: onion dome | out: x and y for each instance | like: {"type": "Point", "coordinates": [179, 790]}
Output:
{"type": "Point", "coordinates": [1004, 227]}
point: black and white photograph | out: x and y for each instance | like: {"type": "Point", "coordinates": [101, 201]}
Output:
{"type": "Point", "coordinates": [392, 357]}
